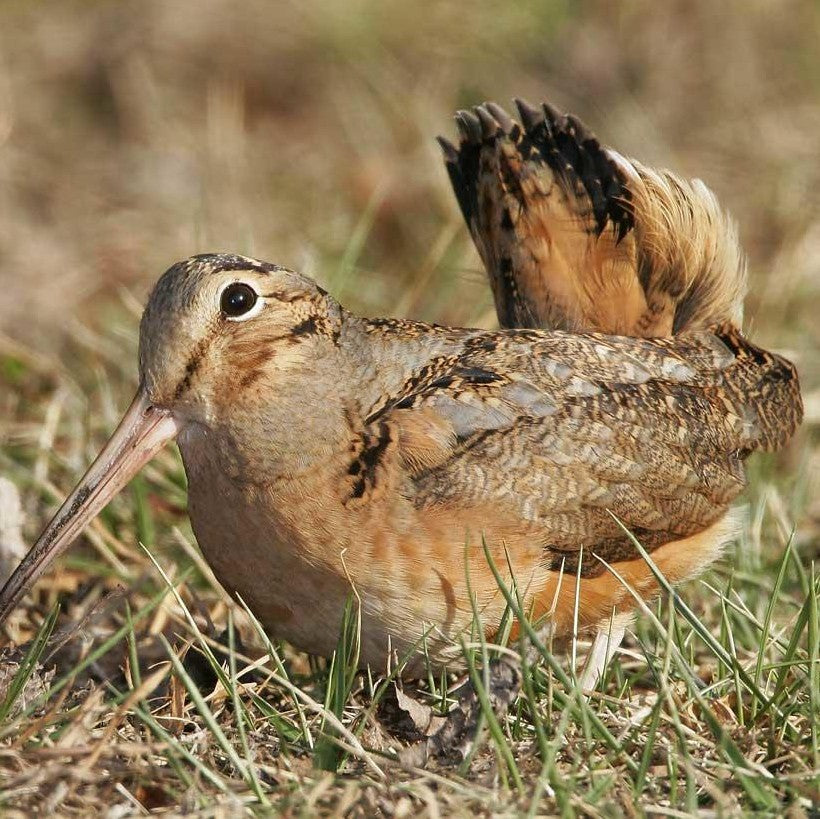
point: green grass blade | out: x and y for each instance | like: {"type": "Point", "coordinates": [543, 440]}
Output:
{"type": "Point", "coordinates": [767, 617]}
{"type": "Point", "coordinates": [29, 663]}
{"type": "Point", "coordinates": [746, 771]}
{"type": "Point", "coordinates": [282, 672]}
{"type": "Point", "coordinates": [343, 669]}
{"type": "Point", "coordinates": [694, 621]}
{"type": "Point", "coordinates": [204, 711]}
{"type": "Point", "coordinates": [241, 715]}
{"type": "Point", "coordinates": [481, 686]}
{"type": "Point", "coordinates": [570, 689]}
{"type": "Point", "coordinates": [95, 654]}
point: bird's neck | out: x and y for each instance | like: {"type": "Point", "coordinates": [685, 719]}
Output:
{"type": "Point", "coordinates": [385, 354]}
{"type": "Point", "coordinates": [289, 427]}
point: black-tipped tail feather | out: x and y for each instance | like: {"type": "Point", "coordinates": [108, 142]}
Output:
{"type": "Point", "coordinates": [576, 237]}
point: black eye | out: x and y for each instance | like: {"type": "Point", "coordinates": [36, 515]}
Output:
{"type": "Point", "coordinates": [237, 299]}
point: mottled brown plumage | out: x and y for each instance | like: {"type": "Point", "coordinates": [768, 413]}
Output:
{"type": "Point", "coordinates": [576, 237]}
{"type": "Point", "coordinates": [327, 452]}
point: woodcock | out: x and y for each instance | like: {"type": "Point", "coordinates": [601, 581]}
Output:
{"type": "Point", "coordinates": [326, 452]}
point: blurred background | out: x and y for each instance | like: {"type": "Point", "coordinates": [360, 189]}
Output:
{"type": "Point", "coordinates": [133, 134]}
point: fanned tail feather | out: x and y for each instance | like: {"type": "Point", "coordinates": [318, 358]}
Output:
{"type": "Point", "coordinates": [576, 237]}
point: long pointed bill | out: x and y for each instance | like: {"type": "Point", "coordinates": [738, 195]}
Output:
{"type": "Point", "coordinates": [140, 435]}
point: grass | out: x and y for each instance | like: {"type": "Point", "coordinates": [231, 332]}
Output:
{"type": "Point", "coordinates": [307, 139]}
{"type": "Point", "coordinates": [713, 705]}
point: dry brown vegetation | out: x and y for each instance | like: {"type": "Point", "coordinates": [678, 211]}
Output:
{"type": "Point", "coordinates": [133, 134]}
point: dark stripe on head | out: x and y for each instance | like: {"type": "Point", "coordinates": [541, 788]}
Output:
{"type": "Point", "coordinates": [193, 364]}
{"type": "Point", "coordinates": [231, 261]}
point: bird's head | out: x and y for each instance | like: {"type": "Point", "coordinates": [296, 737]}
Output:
{"type": "Point", "coordinates": [216, 328]}
{"type": "Point", "coordinates": [221, 327]}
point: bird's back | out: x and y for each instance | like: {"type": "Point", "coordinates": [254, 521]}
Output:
{"type": "Point", "coordinates": [645, 400]}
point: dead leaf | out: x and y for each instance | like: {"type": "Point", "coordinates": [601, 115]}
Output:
{"type": "Point", "coordinates": [454, 739]}
{"type": "Point", "coordinates": [424, 719]}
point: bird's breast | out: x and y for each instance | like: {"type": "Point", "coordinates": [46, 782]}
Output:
{"type": "Point", "coordinates": [243, 529]}
{"type": "Point", "coordinates": [294, 551]}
